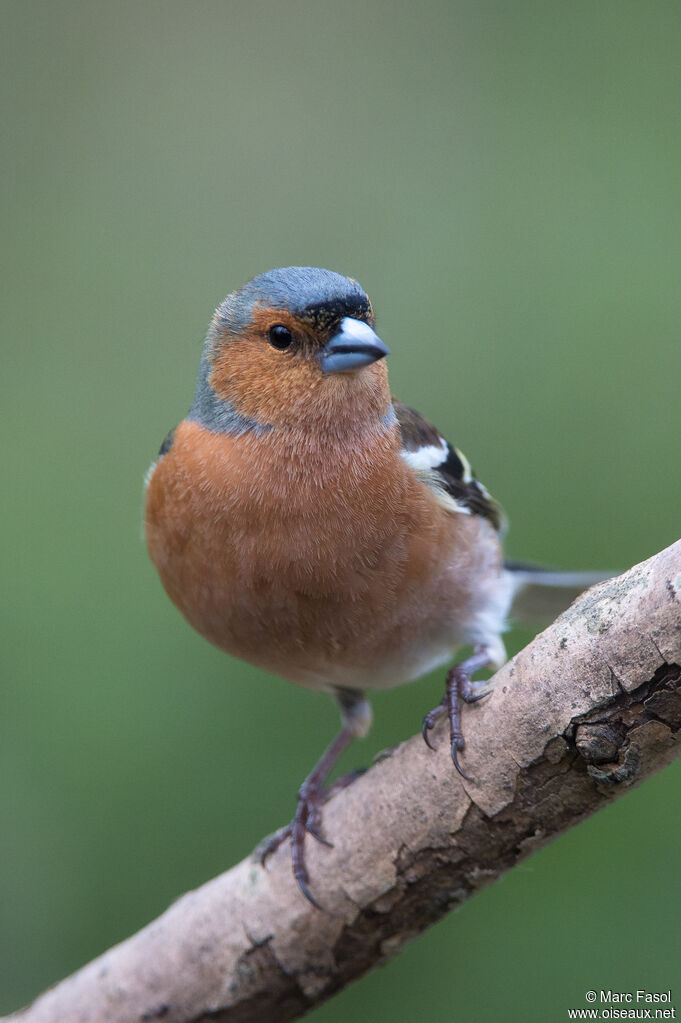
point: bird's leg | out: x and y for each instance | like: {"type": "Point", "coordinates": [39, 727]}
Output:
{"type": "Point", "coordinates": [458, 687]}
{"type": "Point", "coordinates": [356, 715]}
{"type": "Point", "coordinates": [308, 816]}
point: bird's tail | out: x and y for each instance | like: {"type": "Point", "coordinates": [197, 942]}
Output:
{"type": "Point", "coordinates": [541, 594]}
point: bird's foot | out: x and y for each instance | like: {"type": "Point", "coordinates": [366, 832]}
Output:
{"type": "Point", "coordinates": [458, 687]}
{"type": "Point", "coordinates": [307, 820]}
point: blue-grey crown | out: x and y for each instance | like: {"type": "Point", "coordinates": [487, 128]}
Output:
{"type": "Point", "coordinates": [301, 290]}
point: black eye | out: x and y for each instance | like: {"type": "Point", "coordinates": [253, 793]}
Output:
{"type": "Point", "coordinates": [280, 337]}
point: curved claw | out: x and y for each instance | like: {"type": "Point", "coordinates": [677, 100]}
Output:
{"type": "Point", "coordinates": [300, 873]}
{"type": "Point", "coordinates": [270, 845]}
{"type": "Point", "coordinates": [314, 831]}
{"type": "Point", "coordinates": [424, 732]}
{"type": "Point", "coordinates": [457, 744]}
{"type": "Point", "coordinates": [476, 697]}
{"type": "Point", "coordinates": [302, 884]}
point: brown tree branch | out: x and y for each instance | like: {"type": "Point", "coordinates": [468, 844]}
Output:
{"type": "Point", "coordinates": [591, 707]}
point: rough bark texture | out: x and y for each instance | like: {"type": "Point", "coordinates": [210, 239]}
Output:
{"type": "Point", "coordinates": [591, 707]}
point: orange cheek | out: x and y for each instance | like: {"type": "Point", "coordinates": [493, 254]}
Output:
{"type": "Point", "coordinates": [264, 384]}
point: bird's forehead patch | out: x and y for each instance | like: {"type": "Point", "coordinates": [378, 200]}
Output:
{"type": "Point", "coordinates": [325, 316]}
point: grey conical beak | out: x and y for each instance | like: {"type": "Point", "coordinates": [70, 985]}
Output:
{"type": "Point", "coordinates": [355, 345]}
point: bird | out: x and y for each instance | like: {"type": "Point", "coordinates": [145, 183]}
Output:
{"type": "Point", "coordinates": [306, 521]}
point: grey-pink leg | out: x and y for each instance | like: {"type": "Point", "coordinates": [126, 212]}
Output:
{"type": "Point", "coordinates": [312, 795]}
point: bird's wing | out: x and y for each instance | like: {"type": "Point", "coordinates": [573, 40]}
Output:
{"type": "Point", "coordinates": [443, 467]}
{"type": "Point", "coordinates": [539, 594]}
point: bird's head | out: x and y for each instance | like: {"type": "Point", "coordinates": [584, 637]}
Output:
{"type": "Point", "coordinates": [294, 346]}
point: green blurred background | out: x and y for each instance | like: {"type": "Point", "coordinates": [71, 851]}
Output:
{"type": "Point", "coordinates": [503, 178]}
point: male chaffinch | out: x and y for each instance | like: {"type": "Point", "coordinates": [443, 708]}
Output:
{"type": "Point", "coordinates": [306, 521]}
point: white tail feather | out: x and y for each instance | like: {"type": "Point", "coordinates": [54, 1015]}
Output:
{"type": "Point", "coordinates": [541, 594]}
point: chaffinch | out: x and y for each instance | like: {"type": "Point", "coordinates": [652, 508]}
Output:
{"type": "Point", "coordinates": [306, 521]}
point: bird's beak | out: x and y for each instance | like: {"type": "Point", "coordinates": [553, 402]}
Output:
{"type": "Point", "coordinates": [355, 345]}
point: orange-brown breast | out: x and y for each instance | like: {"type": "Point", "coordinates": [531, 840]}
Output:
{"type": "Point", "coordinates": [309, 559]}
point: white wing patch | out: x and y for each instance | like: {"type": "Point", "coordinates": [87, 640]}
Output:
{"type": "Point", "coordinates": [427, 457]}
{"type": "Point", "coordinates": [443, 468]}
{"type": "Point", "coordinates": [425, 462]}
